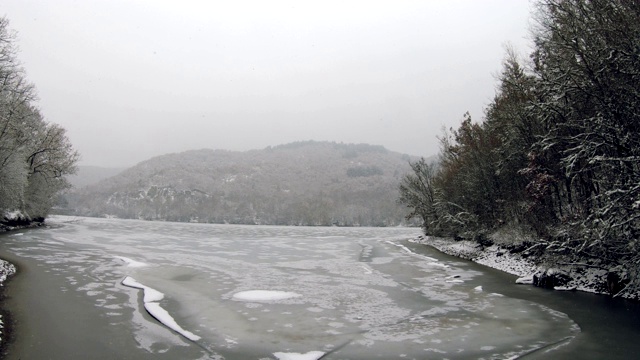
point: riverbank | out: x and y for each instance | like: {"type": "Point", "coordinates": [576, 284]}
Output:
{"type": "Point", "coordinates": [530, 269]}
{"type": "Point", "coordinates": [7, 270]}
{"type": "Point", "coordinates": [10, 222]}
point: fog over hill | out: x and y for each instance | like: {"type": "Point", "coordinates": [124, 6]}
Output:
{"type": "Point", "coordinates": [301, 183]}
{"type": "Point", "coordinates": [89, 175]}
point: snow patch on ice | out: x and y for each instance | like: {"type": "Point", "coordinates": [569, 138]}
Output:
{"type": "Point", "coordinates": [152, 305]}
{"type": "Point", "coordinates": [311, 355]}
{"type": "Point", "coordinates": [438, 264]}
{"type": "Point", "coordinates": [564, 288]}
{"type": "Point", "coordinates": [163, 316]}
{"type": "Point", "coordinates": [433, 260]}
{"type": "Point", "coordinates": [526, 280]}
{"type": "Point", "coordinates": [264, 295]}
{"type": "Point", "coordinates": [130, 262]}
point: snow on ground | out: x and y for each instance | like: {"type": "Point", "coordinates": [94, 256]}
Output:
{"type": "Point", "coordinates": [14, 215]}
{"type": "Point", "coordinates": [264, 295]}
{"type": "Point", "coordinates": [6, 269]}
{"type": "Point", "coordinates": [493, 256]}
{"type": "Point", "coordinates": [152, 305]}
{"type": "Point", "coordinates": [588, 279]}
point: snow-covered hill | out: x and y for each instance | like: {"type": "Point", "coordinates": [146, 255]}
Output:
{"type": "Point", "coordinates": [303, 183]}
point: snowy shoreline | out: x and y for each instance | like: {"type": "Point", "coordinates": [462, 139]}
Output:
{"type": "Point", "coordinates": [578, 277]}
{"type": "Point", "coordinates": [7, 269]}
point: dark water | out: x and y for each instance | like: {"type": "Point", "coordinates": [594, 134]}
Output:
{"type": "Point", "coordinates": [345, 293]}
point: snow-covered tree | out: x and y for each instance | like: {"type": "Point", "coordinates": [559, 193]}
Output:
{"type": "Point", "coordinates": [34, 155]}
{"type": "Point", "coordinates": [559, 150]}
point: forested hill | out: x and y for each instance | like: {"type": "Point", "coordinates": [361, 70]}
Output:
{"type": "Point", "coordinates": [302, 183]}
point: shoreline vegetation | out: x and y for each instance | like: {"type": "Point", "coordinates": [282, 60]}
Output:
{"type": "Point", "coordinates": [556, 157]}
{"type": "Point", "coordinates": [530, 268]}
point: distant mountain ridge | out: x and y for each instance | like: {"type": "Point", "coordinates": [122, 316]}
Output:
{"type": "Point", "coordinates": [301, 183]}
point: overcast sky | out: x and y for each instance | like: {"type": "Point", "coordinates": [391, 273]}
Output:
{"type": "Point", "coordinates": [130, 80]}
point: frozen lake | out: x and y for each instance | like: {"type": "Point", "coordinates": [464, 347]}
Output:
{"type": "Point", "coordinates": [261, 292]}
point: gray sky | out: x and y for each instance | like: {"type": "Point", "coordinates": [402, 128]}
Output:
{"type": "Point", "coordinates": [134, 79]}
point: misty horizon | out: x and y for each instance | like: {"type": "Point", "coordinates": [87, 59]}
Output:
{"type": "Point", "coordinates": [134, 80]}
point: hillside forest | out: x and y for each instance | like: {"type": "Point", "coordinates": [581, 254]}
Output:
{"type": "Point", "coordinates": [557, 156]}
{"type": "Point", "coordinates": [302, 183]}
{"type": "Point", "coordinates": [35, 155]}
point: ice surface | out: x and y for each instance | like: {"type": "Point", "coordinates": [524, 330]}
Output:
{"type": "Point", "coordinates": [311, 355]}
{"type": "Point", "coordinates": [163, 316]}
{"type": "Point", "coordinates": [411, 252]}
{"type": "Point", "coordinates": [131, 262]}
{"type": "Point", "coordinates": [151, 298]}
{"type": "Point", "coordinates": [362, 295]}
{"type": "Point", "coordinates": [264, 295]}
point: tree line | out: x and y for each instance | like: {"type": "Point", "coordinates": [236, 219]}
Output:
{"type": "Point", "coordinates": [558, 152]}
{"type": "Point", "coordinates": [35, 155]}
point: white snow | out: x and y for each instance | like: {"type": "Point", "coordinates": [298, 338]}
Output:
{"type": "Point", "coordinates": [526, 280]}
{"type": "Point", "coordinates": [150, 294]}
{"type": "Point", "coordinates": [6, 269]}
{"type": "Point", "coordinates": [14, 215]}
{"type": "Point", "coordinates": [264, 295]}
{"type": "Point", "coordinates": [564, 288]}
{"type": "Point", "coordinates": [411, 252]}
{"type": "Point", "coordinates": [311, 355]}
{"type": "Point", "coordinates": [152, 305]}
{"type": "Point", "coordinates": [438, 264]}
{"type": "Point", "coordinates": [478, 288]}
{"type": "Point", "coordinates": [130, 262]}
{"type": "Point", "coordinates": [587, 279]}
{"type": "Point", "coordinates": [163, 316]}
